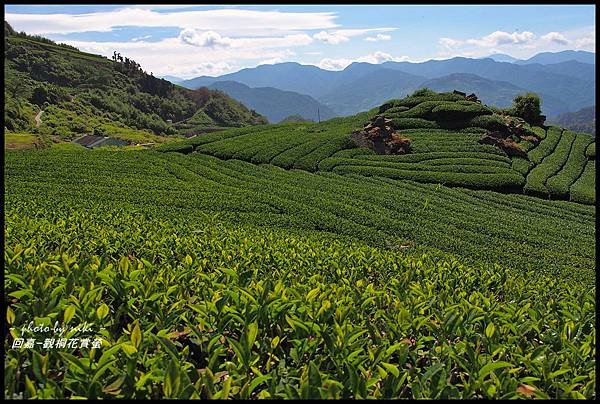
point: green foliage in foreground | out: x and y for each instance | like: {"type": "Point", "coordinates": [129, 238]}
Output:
{"type": "Point", "coordinates": [192, 308]}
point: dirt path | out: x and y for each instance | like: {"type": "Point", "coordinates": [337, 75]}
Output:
{"type": "Point", "coordinates": [38, 119]}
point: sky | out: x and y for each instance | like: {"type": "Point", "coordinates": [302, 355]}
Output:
{"type": "Point", "coordinates": [188, 41]}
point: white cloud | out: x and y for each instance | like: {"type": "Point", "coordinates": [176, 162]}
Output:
{"type": "Point", "coordinates": [555, 37]}
{"type": "Point", "coordinates": [225, 21]}
{"type": "Point", "coordinates": [374, 58]}
{"type": "Point", "coordinates": [141, 38]}
{"type": "Point", "coordinates": [208, 39]}
{"type": "Point", "coordinates": [450, 43]}
{"type": "Point", "coordinates": [380, 57]}
{"type": "Point", "coordinates": [330, 38]}
{"type": "Point", "coordinates": [343, 35]}
{"type": "Point", "coordinates": [586, 42]}
{"type": "Point", "coordinates": [206, 68]}
{"type": "Point", "coordinates": [271, 61]}
{"type": "Point", "coordinates": [378, 37]}
{"type": "Point", "coordinates": [333, 64]}
{"type": "Point", "coordinates": [212, 39]}
{"type": "Point", "coordinates": [520, 44]}
{"type": "Point", "coordinates": [181, 59]}
{"type": "Point", "coordinates": [496, 38]}
{"type": "Point", "coordinates": [502, 38]}
{"type": "Point", "coordinates": [282, 57]}
{"type": "Point", "coordinates": [361, 31]}
{"type": "Point", "coordinates": [258, 43]}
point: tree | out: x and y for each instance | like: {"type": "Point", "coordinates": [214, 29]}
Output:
{"type": "Point", "coordinates": [15, 88]}
{"type": "Point", "coordinates": [99, 131]}
{"type": "Point", "coordinates": [40, 95]}
{"type": "Point", "coordinates": [527, 106]}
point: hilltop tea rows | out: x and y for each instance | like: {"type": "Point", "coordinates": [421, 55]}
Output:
{"type": "Point", "coordinates": [446, 134]}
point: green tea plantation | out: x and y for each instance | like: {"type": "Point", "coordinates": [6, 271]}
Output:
{"type": "Point", "coordinates": [209, 278]}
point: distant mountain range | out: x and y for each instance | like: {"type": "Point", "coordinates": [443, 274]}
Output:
{"type": "Point", "coordinates": [546, 58]}
{"type": "Point", "coordinates": [370, 89]}
{"type": "Point", "coordinates": [583, 120]}
{"type": "Point", "coordinates": [492, 92]}
{"type": "Point", "coordinates": [565, 81]}
{"type": "Point", "coordinates": [574, 92]}
{"type": "Point", "coordinates": [273, 103]}
{"type": "Point", "coordinates": [501, 57]}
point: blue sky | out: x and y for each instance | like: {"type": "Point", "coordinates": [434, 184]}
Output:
{"type": "Point", "coordinates": [189, 41]}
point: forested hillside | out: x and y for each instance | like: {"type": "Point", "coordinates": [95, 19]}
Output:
{"type": "Point", "coordinates": [583, 120]}
{"type": "Point", "coordinates": [81, 93]}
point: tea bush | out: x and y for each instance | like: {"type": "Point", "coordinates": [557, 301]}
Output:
{"type": "Point", "coordinates": [207, 278]}
{"type": "Point", "coordinates": [584, 189]}
{"type": "Point", "coordinates": [202, 309]}
{"type": "Point", "coordinates": [559, 184]}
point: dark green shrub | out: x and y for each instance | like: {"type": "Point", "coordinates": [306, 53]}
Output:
{"type": "Point", "coordinates": [527, 106]}
{"type": "Point", "coordinates": [489, 122]}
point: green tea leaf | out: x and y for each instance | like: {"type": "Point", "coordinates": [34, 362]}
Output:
{"type": "Point", "coordinates": [489, 330]}
{"type": "Point", "coordinates": [69, 313]}
{"type": "Point", "coordinates": [136, 335]}
{"type": "Point", "coordinates": [393, 369]}
{"type": "Point", "coordinates": [10, 315]}
{"type": "Point", "coordinates": [490, 367]}
{"type": "Point", "coordinates": [251, 335]}
{"type": "Point", "coordinates": [102, 311]}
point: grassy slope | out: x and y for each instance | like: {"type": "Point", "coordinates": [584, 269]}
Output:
{"type": "Point", "coordinates": [20, 141]}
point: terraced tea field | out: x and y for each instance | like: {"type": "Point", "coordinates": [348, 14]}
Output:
{"type": "Point", "coordinates": [283, 261]}
{"type": "Point", "coordinates": [447, 157]}
{"type": "Point", "coordinates": [451, 156]}
{"type": "Point", "coordinates": [559, 163]}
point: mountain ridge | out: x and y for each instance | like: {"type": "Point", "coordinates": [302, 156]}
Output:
{"type": "Point", "coordinates": [566, 86]}
{"type": "Point", "coordinates": [274, 103]}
